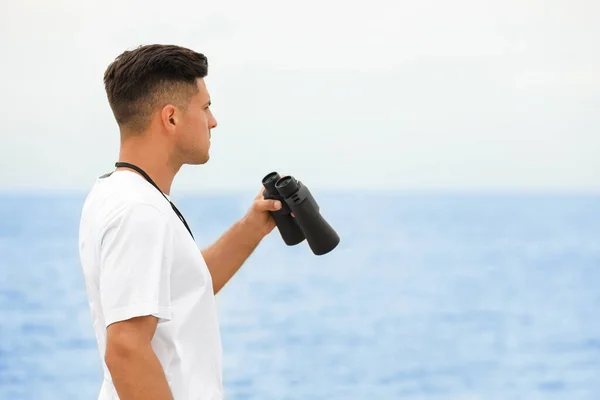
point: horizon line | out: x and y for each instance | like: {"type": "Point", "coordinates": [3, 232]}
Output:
{"type": "Point", "coordinates": [412, 190]}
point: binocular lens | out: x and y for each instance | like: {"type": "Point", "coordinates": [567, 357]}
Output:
{"type": "Point", "coordinates": [272, 177]}
{"type": "Point", "coordinates": [286, 186]}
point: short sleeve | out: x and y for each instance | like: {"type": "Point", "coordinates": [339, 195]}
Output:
{"type": "Point", "coordinates": [136, 257]}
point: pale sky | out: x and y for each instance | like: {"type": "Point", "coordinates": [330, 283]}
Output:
{"type": "Point", "coordinates": [343, 94]}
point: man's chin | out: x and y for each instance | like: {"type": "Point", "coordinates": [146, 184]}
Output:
{"type": "Point", "coordinates": [200, 160]}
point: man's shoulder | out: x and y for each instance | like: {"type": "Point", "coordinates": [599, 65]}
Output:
{"type": "Point", "coordinates": [118, 197]}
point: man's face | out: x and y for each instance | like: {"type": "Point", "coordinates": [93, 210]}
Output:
{"type": "Point", "coordinates": [197, 122]}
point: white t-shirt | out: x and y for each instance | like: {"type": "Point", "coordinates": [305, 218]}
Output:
{"type": "Point", "coordinates": [139, 259]}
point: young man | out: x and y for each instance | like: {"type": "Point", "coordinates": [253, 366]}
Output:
{"type": "Point", "coordinates": [151, 290]}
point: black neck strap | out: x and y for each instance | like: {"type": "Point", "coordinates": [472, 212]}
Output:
{"type": "Point", "coordinates": [145, 175]}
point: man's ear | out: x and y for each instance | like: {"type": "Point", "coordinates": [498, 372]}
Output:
{"type": "Point", "coordinates": [169, 117]}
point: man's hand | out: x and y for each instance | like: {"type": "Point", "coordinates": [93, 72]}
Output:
{"type": "Point", "coordinates": [258, 218]}
{"type": "Point", "coordinates": [135, 370]}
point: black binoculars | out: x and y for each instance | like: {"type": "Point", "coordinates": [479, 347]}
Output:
{"type": "Point", "coordinates": [306, 222]}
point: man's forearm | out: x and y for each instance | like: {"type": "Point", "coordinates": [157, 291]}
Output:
{"type": "Point", "coordinates": [137, 374]}
{"type": "Point", "coordinates": [229, 252]}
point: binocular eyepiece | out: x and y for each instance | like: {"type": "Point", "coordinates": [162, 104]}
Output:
{"type": "Point", "coordinates": [307, 222]}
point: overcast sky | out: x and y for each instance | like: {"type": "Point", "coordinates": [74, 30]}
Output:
{"type": "Point", "coordinates": [369, 94]}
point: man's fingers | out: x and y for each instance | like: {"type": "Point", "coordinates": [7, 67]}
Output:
{"type": "Point", "coordinates": [268, 205]}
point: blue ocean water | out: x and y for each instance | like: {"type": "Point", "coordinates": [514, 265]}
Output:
{"type": "Point", "coordinates": [429, 296]}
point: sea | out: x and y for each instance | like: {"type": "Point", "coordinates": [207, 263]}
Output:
{"type": "Point", "coordinates": [429, 295]}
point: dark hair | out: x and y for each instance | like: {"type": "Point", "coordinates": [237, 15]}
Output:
{"type": "Point", "coordinates": [150, 76]}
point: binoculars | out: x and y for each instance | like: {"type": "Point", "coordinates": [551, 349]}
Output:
{"type": "Point", "coordinates": [306, 222]}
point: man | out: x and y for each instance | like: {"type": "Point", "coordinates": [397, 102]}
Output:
{"type": "Point", "coordinates": [151, 290]}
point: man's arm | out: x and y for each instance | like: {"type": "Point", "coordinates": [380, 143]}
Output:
{"type": "Point", "coordinates": [133, 365]}
{"type": "Point", "coordinates": [225, 257]}
{"type": "Point", "coordinates": [134, 283]}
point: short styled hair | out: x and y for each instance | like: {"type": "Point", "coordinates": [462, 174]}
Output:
{"type": "Point", "coordinates": [140, 80]}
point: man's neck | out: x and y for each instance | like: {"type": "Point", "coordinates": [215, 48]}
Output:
{"type": "Point", "coordinates": [159, 170]}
